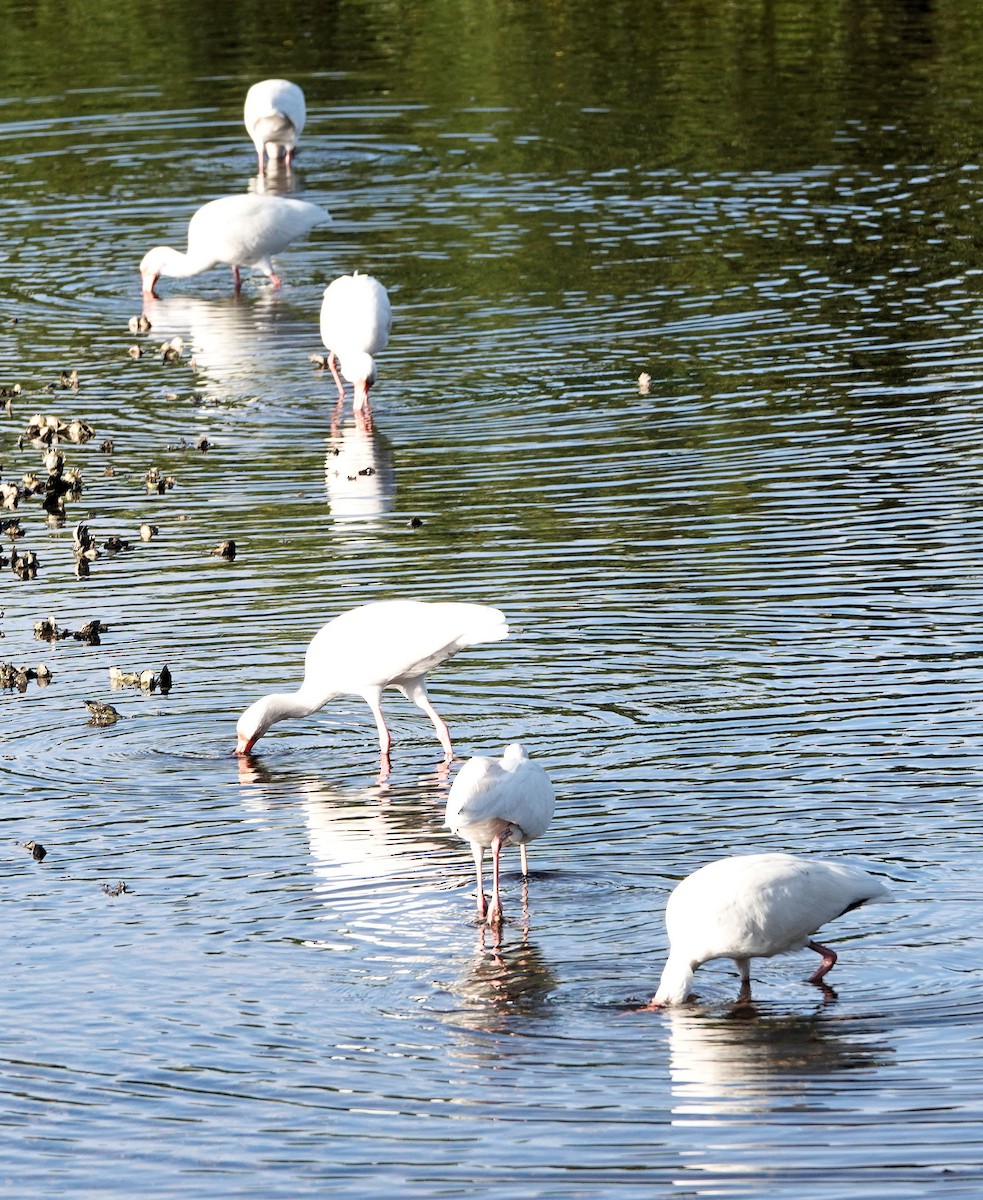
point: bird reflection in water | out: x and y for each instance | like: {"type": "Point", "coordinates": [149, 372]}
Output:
{"type": "Point", "coordinates": [755, 1062]}
{"type": "Point", "coordinates": [371, 857]}
{"type": "Point", "coordinates": [231, 340]}
{"type": "Point", "coordinates": [359, 474]}
{"type": "Point", "coordinates": [278, 180]}
{"type": "Point", "coordinates": [503, 980]}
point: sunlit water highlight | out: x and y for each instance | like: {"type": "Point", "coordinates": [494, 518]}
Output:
{"type": "Point", "coordinates": [745, 605]}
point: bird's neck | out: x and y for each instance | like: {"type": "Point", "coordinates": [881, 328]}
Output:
{"type": "Point", "coordinates": [180, 266]}
{"type": "Point", "coordinates": [282, 706]}
{"type": "Point", "coordinates": [676, 981]}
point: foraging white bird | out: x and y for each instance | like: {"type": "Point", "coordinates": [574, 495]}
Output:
{"type": "Point", "coordinates": [496, 802]}
{"type": "Point", "coordinates": [356, 317]}
{"type": "Point", "coordinates": [243, 231]}
{"type": "Point", "coordinates": [274, 114]}
{"type": "Point", "coordinates": [755, 906]}
{"type": "Point", "coordinates": [387, 643]}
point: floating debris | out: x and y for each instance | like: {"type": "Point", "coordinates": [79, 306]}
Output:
{"type": "Point", "coordinates": [59, 484]}
{"type": "Point", "coordinates": [11, 527]}
{"type": "Point", "coordinates": [102, 714]}
{"type": "Point", "coordinates": [106, 446]}
{"type": "Point", "coordinates": [146, 679]}
{"type": "Point", "coordinates": [148, 531]}
{"type": "Point", "coordinates": [47, 429]}
{"type": "Point", "coordinates": [90, 631]}
{"type": "Point", "coordinates": [118, 678]}
{"type": "Point", "coordinates": [318, 361]}
{"type": "Point", "coordinates": [9, 495]}
{"type": "Point", "coordinates": [24, 566]}
{"type": "Point", "coordinates": [83, 543]}
{"type": "Point", "coordinates": [171, 351]}
{"type": "Point", "coordinates": [416, 522]}
{"type": "Point", "coordinates": [135, 352]}
{"type": "Point", "coordinates": [37, 850]}
{"type": "Point", "coordinates": [114, 544]}
{"type": "Point", "coordinates": [47, 630]}
{"type": "Point", "coordinates": [114, 889]}
{"type": "Point", "coordinates": [13, 677]}
{"type": "Point", "coordinates": [18, 677]}
{"type": "Point", "coordinates": [201, 444]}
{"type": "Point", "coordinates": [69, 380]}
{"type": "Point", "coordinates": [156, 482]}
{"type": "Point", "coordinates": [140, 324]}
{"type": "Point", "coordinates": [226, 550]}
{"type": "Point", "coordinates": [644, 380]}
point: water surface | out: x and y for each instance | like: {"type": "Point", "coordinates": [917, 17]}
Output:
{"type": "Point", "coordinates": [745, 600]}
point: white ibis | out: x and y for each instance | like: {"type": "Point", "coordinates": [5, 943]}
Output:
{"type": "Point", "coordinates": [274, 114]}
{"type": "Point", "coordinates": [385, 644]}
{"type": "Point", "coordinates": [496, 802]}
{"type": "Point", "coordinates": [355, 320]}
{"type": "Point", "coordinates": [755, 906]}
{"type": "Point", "coordinates": [243, 231]}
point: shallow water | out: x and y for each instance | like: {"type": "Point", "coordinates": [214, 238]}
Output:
{"type": "Point", "coordinates": [745, 602]}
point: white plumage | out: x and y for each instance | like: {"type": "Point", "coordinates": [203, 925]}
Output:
{"type": "Point", "coordinates": [755, 906]}
{"type": "Point", "coordinates": [356, 317]}
{"type": "Point", "coordinates": [388, 643]}
{"type": "Point", "coordinates": [274, 114]}
{"type": "Point", "coordinates": [242, 231]}
{"type": "Point", "coordinates": [497, 802]}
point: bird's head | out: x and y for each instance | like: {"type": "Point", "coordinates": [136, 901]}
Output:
{"type": "Point", "coordinates": [150, 270]}
{"type": "Point", "coordinates": [251, 726]}
{"type": "Point", "coordinates": [360, 369]}
{"type": "Point", "coordinates": [676, 981]}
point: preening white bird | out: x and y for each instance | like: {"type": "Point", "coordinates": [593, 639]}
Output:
{"type": "Point", "coordinates": [274, 114]}
{"type": "Point", "coordinates": [356, 317]}
{"type": "Point", "coordinates": [496, 802]}
{"type": "Point", "coordinates": [384, 644]}
{"type": "Point", "coordinates": [755, 906]}
{"type": "Point", "coordinates": [242, 231]}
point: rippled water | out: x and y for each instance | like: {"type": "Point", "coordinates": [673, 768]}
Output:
{"type": "Point", "coordinates": [745, 603]}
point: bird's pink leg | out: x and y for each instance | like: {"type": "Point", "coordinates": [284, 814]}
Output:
{"type": "Point", "coordinates": [525, 860]}
{"type": "Point", "coordinates": [479, 855]}
{"type": "Point", "coordinates": [334, 371]}
{"type": "Point", "coordinates": [829, 959]}
{"type": "Point", "coordinates": [236, 279]}
{"type": "Point", "coordinates": [744, 966]}
{"type": "Point", "coordinates": [495, 904]}
{"type": "Point", "coordinates": [418, 694]}
{"type": "Point", "coordinates": [385, 739]}
{"type": "Point", "coordinates": [276, 281]}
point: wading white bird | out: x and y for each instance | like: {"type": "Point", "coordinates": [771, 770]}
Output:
{"type": "Point", "coordinates": [355, 320]}
{"type": "Point", "coordinates": [755, 906]}
{"type": "Point", "coordinates": [496, 802]}
{"type": "Point", "coordinates": [274, 114]}
{"type": "Point", "coordinates": [384, 644]}
{"type": "Point", "coordinates": [242, 231]}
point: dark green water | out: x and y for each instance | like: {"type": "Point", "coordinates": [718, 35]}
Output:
{"type": "Point", "coordinates": [745, 598]}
